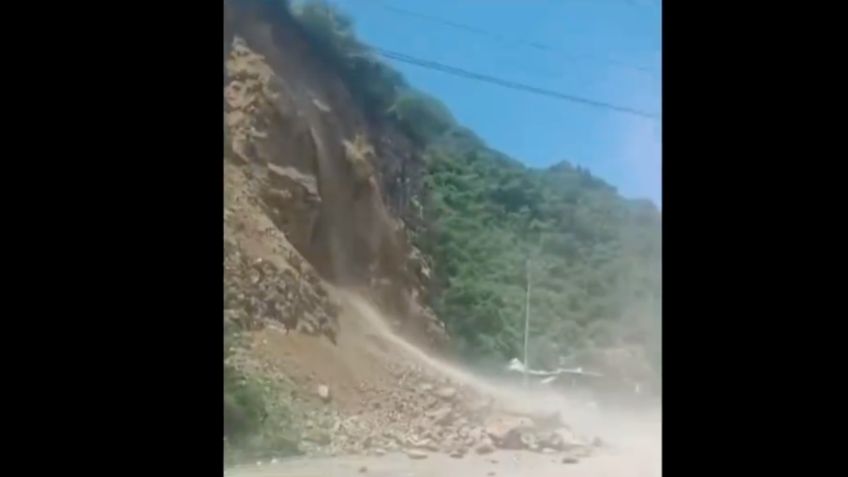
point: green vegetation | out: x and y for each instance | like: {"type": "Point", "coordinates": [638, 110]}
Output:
{"type": "Point", "coordinates": [256, 421]}
{"type": "Point", "coordinates": [594, 257]}
{"type": "Point", "coordinates": [244, 408]}
{"type": "Point", "coordinates": [331, 34]}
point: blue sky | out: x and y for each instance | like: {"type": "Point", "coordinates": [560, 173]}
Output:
{"type": "Point", "coordinates": [591, 39]}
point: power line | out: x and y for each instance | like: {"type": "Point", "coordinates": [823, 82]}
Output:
{"type": "Point", "coordinates": [473, 30]}
{"type": "Point", "coordinates": [458, 26]}
{"type": "Point", "coordinates": [532, 44]}
{"type": "Point", "coordinates": [434, 65]}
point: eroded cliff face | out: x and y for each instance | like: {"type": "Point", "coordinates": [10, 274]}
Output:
{"type": "Point", "coordinates": [336, 185]}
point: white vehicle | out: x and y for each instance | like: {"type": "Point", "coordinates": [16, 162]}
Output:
{"type": "Point", "coordinates": [578, 379]}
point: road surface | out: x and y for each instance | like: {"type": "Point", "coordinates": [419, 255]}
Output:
{"type": "Point", "coordinates": [500, 463]}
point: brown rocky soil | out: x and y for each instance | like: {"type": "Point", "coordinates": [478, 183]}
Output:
{"type": "Point", "coordinates": [364, 396]}
{"type": "Point", "coordinates": [309, 166]}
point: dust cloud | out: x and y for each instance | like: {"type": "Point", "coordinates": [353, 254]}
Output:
{"type": "Point", "coordinates": [632, 433]}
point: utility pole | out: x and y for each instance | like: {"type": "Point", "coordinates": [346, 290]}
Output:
{"type": "Point", "coordinates": [526, 320]}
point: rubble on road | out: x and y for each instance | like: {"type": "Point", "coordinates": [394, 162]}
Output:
{"type": "Point", "coordinates": [426, 414]}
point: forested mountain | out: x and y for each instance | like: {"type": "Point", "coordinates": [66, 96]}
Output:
{"type": "Point", "coordinates": [593, 257]}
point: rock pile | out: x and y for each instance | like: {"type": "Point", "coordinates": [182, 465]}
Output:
{"type": "Point", "coordinates": [420, 414]}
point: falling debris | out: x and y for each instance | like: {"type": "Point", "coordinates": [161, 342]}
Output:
{"type": "Point", "coordinates": [321, 106]}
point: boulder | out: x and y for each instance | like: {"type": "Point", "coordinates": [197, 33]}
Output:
{"type": "Point", "coordinates": [485, 447]}
{"type": "Point", "coordinates": [446, 393]}
{"type": "Point", "coordinates": [416, 454]}
{"type": "Point", "coordinates": [317, 436]}
{"type": "Point", "coordinates": [506, 432]}
{"type": "Point", "coordinates": [441, 415]}
{"type": "Point", "coordinates": [324, 392]}
{"type": "Point", "coordinates": [458, 453]}
{"type": "Point", "coordinates": [528, 440]}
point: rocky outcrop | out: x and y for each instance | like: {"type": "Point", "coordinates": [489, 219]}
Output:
{"type": "Point", "coordinates": [292, 202]}
{"type": "Point", "coordinates": [257, 292]}
{"type": "Point", "coordinates": [337, 184]}
{"type": "Point", "coordinates": [265, 135]}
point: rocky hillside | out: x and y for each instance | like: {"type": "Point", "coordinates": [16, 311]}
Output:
{"type": "Point", "coordinates": [325, 191]}
{"type": "Point", "coordinates": [321, 173]}
{"type": "Point", "coordinates": [311, 202]}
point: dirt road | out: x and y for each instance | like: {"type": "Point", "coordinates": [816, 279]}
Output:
{"type": "Point", "coordinates": [501, 463]}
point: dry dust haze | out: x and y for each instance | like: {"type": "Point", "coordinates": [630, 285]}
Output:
{"type": "Point", "coordinates": [633, 433]}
